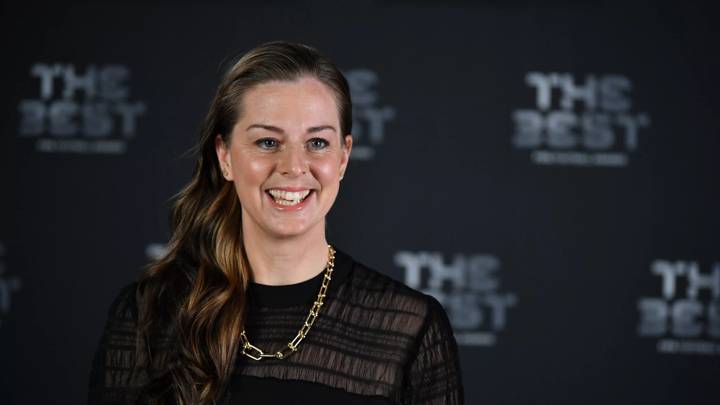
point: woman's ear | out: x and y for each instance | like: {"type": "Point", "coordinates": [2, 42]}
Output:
{"type": "Point", "coordinates": [347, 148]}
{"type": "Point", "coordinates": [223, 155]}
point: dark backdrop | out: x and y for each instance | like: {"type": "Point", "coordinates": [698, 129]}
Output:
{"type": "Point", "coordinates": [547, 169]}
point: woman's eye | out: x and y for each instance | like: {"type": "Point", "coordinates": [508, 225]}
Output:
{"type": "Point", "coordinates": [318, 143]}
{"type": "Point", "coordinates": [267, 143]}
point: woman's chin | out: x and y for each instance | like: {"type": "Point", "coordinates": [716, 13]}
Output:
{"type": "Point", "coordinates": [290, 229]}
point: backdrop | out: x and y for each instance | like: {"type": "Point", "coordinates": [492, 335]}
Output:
{"type": "Point", "coordinates": [547, 170]}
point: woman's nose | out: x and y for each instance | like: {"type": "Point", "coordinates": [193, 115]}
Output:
{"type": "Point", "coordinates": [292, 161]}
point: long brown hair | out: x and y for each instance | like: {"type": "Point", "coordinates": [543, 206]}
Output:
{"type": "Point", "coordinates": [198, 288]}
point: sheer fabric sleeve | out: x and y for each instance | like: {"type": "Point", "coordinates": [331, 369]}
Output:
{"type": "Point", "coordinates": [434, 376]}
{"type": "Point", "coordinates": [112, 378]}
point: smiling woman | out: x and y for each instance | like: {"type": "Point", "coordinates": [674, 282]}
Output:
{"type": "Point", "coordinates": [251, 304]}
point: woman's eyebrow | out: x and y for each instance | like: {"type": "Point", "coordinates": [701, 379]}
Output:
{"type": "Point", "coordinates": [278, 130]}
{"type": "Point", "coordinates": [266, 127]}
{"type": "Point", "coordinates": [321, 128]}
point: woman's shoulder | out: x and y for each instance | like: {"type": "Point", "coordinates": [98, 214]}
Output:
{"type": "Point", "coordinates": [124, 304]}
{"type": "Point", "coordinates": [133, 303]}
{"type": "Point", "coordinates": [138, 296]}
{"type": "Point", "coordinates": [370, 286]}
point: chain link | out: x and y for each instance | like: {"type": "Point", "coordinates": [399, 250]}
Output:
{"type": "Point", "coordinates": [256, 353]}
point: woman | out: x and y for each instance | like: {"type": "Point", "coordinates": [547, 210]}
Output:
{"type": "Point", "coordinates": [251, 304]}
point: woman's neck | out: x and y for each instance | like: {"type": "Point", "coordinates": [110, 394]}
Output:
{"type": "Point", "coordinates": [283, 261]}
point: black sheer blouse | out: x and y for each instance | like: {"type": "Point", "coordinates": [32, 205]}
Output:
{"type": "Point", "coordinates": [376, 341]}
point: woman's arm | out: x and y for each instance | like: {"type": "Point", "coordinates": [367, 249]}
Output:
{"type": "Point", "coordinates": [113, 379]}
{"type": "Point", "coordinates": [434, 376]}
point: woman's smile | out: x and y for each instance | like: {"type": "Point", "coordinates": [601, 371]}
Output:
{"type": "Point", "coordinates": [287, 199]}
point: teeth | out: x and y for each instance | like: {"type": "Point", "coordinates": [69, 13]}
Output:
{"type": "Point", "coordinates": [283, 197]}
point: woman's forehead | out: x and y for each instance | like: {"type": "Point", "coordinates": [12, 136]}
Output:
{"type": "Point", "coordinates": [306, 102]}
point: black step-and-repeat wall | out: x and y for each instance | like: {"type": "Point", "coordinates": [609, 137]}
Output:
{"type": "Point", "coordinates": [548, 170]}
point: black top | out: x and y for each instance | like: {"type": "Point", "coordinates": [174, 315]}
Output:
{"type": "Point", "coordinates": [375, 341]}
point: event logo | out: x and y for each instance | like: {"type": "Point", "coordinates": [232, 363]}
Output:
{"type": "Point", "coordinates": [7, 286]}
{"type": "Point", "coordinates": [579, 124]}
{"type": "Point", "coordinates": [468, 288]}
{"type": "Point", "coordinates": [76, 111]}
{"type": "Point", "coordinates": [369, 118]}
{"type": "Point", "coordinates": [686, 318]}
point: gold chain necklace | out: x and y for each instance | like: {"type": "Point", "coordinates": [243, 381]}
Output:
{"type": "Point", "coordinates": [255, 353]}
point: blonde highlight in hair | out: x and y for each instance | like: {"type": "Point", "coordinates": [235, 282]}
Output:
{"type": "Point", "coordinates": [197, 290]}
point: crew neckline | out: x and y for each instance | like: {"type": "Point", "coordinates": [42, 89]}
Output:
{"type": "Point", "coordinates": [302, 293]}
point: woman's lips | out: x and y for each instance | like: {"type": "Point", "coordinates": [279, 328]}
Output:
{"type": "Point", "coordinates": [286, 205]}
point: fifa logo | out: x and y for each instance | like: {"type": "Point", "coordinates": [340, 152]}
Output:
{"type": "Point", "coordinates": [687, 314]}
{"type": "Point", "coordinates": [7, 286]}
{"type": "Point", "coordinates": [80, 110]}
{"type": "Point", "coordinates": [369, 118]}
{"type": "Point", "coordinates": [468, 288]}
{"type": "Point", "coordinates": [579, 122]}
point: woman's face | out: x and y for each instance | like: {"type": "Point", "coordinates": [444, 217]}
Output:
{"type": "Point", "coordinates": [286, 157]}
